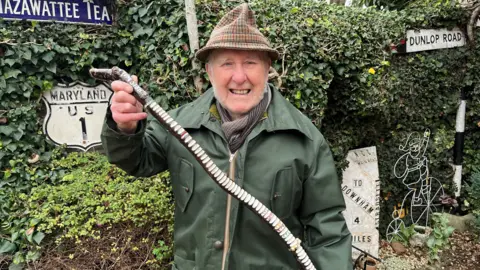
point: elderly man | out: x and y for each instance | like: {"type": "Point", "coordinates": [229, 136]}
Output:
{"type": "Point", "coordinates": [265, 144]}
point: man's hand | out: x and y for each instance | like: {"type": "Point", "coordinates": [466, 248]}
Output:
{"type": "Point", "coordinates": [126, 110]}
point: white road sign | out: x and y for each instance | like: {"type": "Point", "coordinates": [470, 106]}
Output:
{"type": "Point", "coordinates": [75, 114]}
{"type": "Point", "coordinates": [361, 190]}
{"type": "Point", "coordinates": [434, 39]}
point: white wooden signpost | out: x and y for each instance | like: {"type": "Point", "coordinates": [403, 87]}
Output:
{"type": "Point", "coordinates": [361, 190]}
{"type": "Point", "coordinates": [434, 39]}
{"type": "Point", "coordinates": [75, 114]}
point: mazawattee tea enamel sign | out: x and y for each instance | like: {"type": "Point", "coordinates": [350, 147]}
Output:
{"type": "Point", "coordinates": [75, 114]}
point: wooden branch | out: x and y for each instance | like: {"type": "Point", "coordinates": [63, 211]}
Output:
{"type": "Point", "coordinates": [192, 27]}
{"type": "Point", "coordinates": [471, 25]}
{"type": "Point", "coordinates": [470, 5]}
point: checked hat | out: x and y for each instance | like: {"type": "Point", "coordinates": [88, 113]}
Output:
{"type": "Point", "coordinates": [237, 30]}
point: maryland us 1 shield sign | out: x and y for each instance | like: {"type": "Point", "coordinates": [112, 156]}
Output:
{"type": "Point", "coordinates": [75, 114]}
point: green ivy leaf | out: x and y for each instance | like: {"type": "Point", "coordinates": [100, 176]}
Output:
{"type": "Point", "coordinates": [7, 247]}
{"type": "Point", "coordinates": [14, 266]}
{"type": "Point", "coordinates": [10, 61]}
{"type": "Point", "coordinates": [33, 255]}
{"type": "Point", "coordinates": [309, 21]}
{"type": "Point", "coordinates": [7, 130]}
{"type": "Point", "coordinates": [449, 231]}
{"type": "Point", "coordinates": [340, 70]}
{"type": "Point", "coordinates": [3, 83]}
{"type": "Point", "coordinates": [13, 73]}
{"type": "Point", "coordinates": [10, 88]}
{"type": "Point", "coordinates": [84, 36]}
{"type": "Point", "coordinates": [52, 67]}
{"type": "Point", "coordinates": [15, 236]}
{"type": "Point", "coordinates": [430, 242]}
{"type": "Point", "coordinates": [34, 222]}
{"type": "Point", "coordinates": [48, 56]}
{"type": "Point", "coordinates": [47, 86]}
{"type": "Point", "coordinates": [27, 54]}
{"type": "Point", "coordinates": [12, 147]}
{"type": "Point", "coordinates": [142, 31]}
{"type": "Point", "coordinates": [29, 237]}
{"type": "Point", "coordinates": [298, 95]}
{"type": "Point", "coordinates": [18, 135]}
{"type": "Point", "coordinates": [142, 11]}
{"type": "Point", "coordinates": [38, 237]}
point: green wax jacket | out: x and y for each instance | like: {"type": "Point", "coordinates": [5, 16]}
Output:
{"type": "Point", "coordinates": [285, 163]}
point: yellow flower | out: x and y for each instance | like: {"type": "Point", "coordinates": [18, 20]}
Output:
{"type": "Point", "coordinates": [371, 71]}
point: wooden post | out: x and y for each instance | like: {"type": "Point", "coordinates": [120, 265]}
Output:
{"type": "Point", "coordinates": [338, 2]}
{"type": "Point", "coordinates": [191, 16]}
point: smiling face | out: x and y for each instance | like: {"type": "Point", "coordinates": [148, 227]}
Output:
{"type": "Point", "coordinates": [238, 79]}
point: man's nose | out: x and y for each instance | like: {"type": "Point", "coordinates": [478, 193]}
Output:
{"type": "Point", "coordinates": [239, 76]}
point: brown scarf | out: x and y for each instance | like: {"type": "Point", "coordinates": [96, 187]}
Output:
{"type": "Point", "coordinates": [237, 131]}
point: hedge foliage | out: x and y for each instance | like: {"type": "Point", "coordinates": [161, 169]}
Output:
{"type": "Point", "coordinates": [336, 67]}
{"type": "Point", "coordinates": [94, 194]}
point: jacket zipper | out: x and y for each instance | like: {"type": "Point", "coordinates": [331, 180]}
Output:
{"type": "Point", "coordinates": [226, 238]}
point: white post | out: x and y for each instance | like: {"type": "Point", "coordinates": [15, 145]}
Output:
{"type": "Point", "coordinates": [459, 142]}
{"type": "Point", "coordinates": [191, 16]}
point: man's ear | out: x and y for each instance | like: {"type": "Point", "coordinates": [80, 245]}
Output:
{"type": "Point", "coordinates": [268, 60]}
{"type": "Point", "coordinates": [207, 68]}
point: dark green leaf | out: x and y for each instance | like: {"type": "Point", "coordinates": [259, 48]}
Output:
{"type": "Point", "coordinates": [34, 222]}
{"type": "Point", "coordinates": [10, 61]}
{"type": "Point", "coordinates": [7, 247]}
{"type": "Point", "coordinates": [14, 266]}
{"type": "Point", "coordinates": [18, 135]}
{"type": "Point", "coordinates": [33, 255]}
{"type": "Point", "coordinates": [47, 57]}
{"type": "Point", "coordinates": [12, 147]}
{"type": "Point", "coordinates": [38, 237]}
{"type": "Point", "coordinates": [13, 73]}
{"type": "Point", "coordinates": [14, 236]}
{"type": "Point", "coordinates": [7, 130]}
{"type": "Point", "coordinates": [27, 54]}
{"type": "Point", "coordinates": [142, 11]}
{"type": "Point", "coordinates": [52, 67]}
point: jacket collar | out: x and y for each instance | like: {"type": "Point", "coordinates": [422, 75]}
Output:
{"type": "Point", "coordinates": [281, 114]}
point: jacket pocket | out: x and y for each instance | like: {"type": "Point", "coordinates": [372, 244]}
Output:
{"type": "Point", "coordinates": [182, 264]}
{"type": "Point", "coordinates": [184, 184]}
{"type": "Point", "coordinates": [281, 197]}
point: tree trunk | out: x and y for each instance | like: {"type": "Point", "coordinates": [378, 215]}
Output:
{"type": "Point", "coordinates": [191, 16]}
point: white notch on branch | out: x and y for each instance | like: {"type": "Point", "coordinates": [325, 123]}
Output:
{"type": "Point", "coordinates": [192, 27]}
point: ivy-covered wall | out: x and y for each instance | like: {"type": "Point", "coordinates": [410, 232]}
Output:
{"type": "Point", "coordinates": [336, 67]}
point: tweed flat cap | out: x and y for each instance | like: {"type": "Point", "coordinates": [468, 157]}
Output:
{"type": "Point", "coordinates": [237, 30]}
